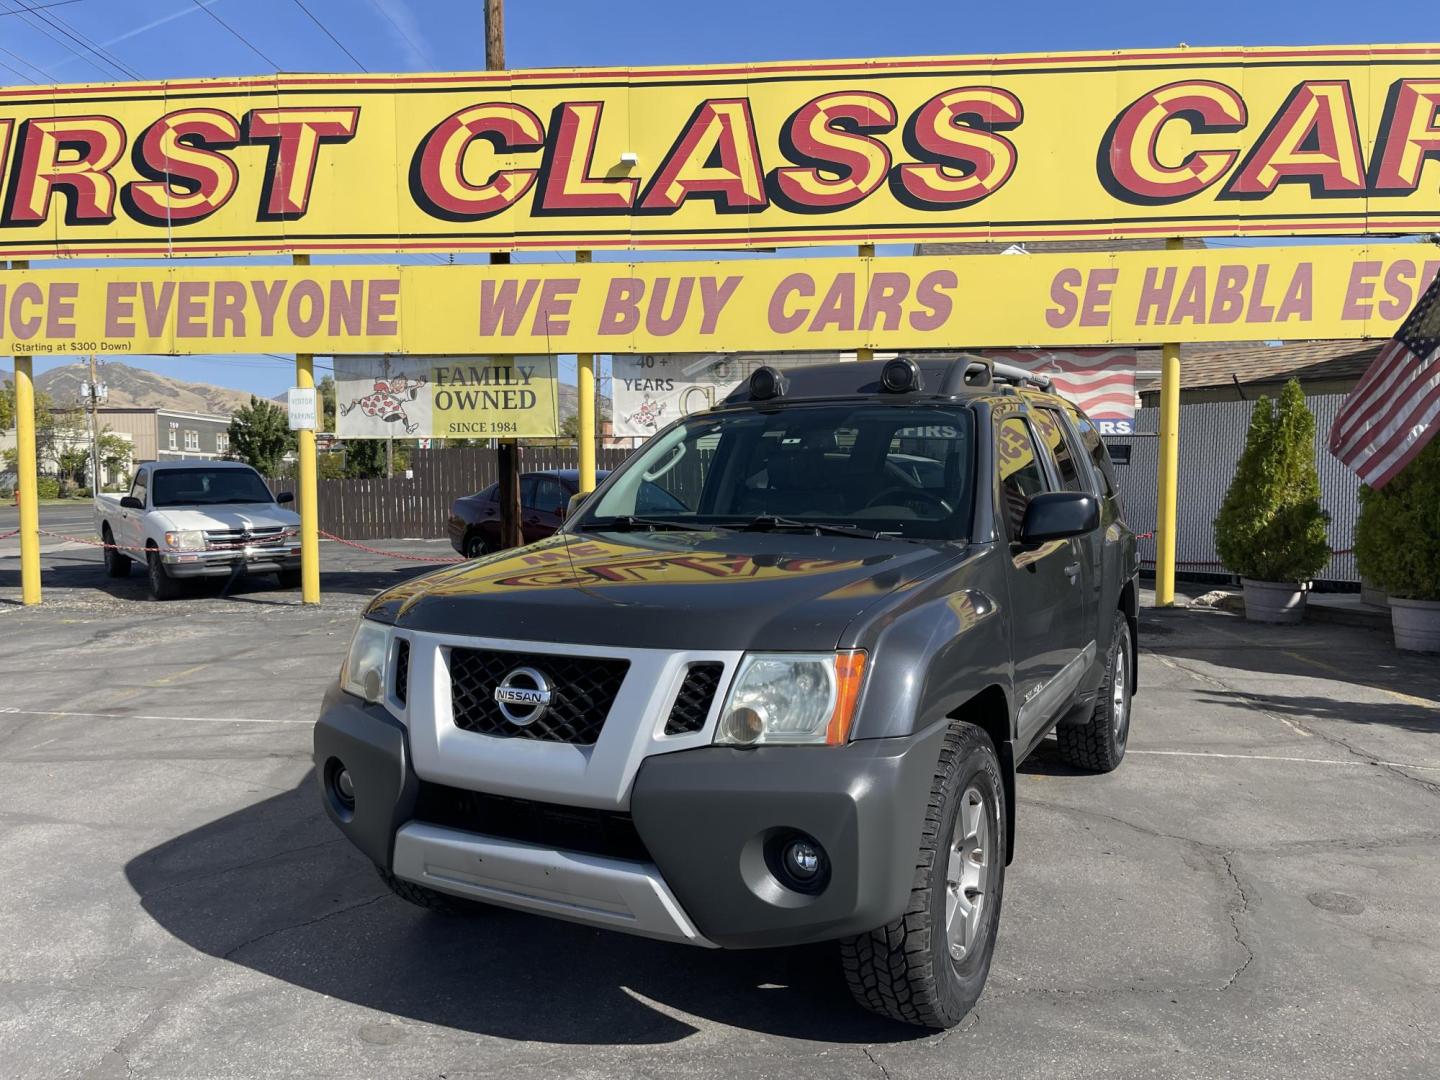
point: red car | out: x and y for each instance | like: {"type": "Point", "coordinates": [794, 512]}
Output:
{"type": "Point", "coordinates": [474, 524]}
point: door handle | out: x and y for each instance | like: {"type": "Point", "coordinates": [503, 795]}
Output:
{"type": "Point", "coordinates": [1072, 572]}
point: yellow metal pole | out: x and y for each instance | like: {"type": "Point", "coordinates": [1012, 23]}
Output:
{"type": "Point", "coordinates": [585, 385]}
{"type": "Point", "coordinates": [308, 495]}
{"type": "Point", "coordinates": [867, 251]}
{"type": "Point", "coordinates": [26, 473]}
{"type": "Point", "coordinates": [1167, 480]}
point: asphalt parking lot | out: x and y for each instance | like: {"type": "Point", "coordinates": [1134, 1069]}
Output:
{"type": "Point", "coordinates": [1253, 894]}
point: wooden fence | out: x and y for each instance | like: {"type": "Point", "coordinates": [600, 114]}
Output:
{"type": "Point", "coordinates": [418, 506]}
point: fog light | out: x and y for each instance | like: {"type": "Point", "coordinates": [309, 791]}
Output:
{"type": "Point", "coordinates": [802, 859]}
{"type": "Point", "coordinates": [340, 786]}
{"type": "Point", "coordinates": [345, 787]}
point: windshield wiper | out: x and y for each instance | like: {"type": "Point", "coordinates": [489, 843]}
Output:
{"type": "Point", "coordinates": [629, 523]}
{"type": "Point", "coordinates": [771, 523]}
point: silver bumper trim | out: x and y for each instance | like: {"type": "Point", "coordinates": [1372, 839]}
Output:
{"type": "Point", "coordinates": [593, 889]}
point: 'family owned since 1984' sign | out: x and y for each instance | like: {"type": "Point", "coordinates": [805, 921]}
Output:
{"type": "Point", "coordinates": [445, 397]}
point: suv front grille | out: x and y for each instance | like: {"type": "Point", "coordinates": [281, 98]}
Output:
{"type": "Point", "coordinates": [402, 669]}
{"type": "Point", "coordinates": [565, 828]}
{"type": "Point", "coordinates": [583, 688]}
{"type": "Point", "coordinates": [692, 703]}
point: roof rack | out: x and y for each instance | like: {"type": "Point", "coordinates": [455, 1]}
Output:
{"type": "Point", "coordinates": [1018, 376]}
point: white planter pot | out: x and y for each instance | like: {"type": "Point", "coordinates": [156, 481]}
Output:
{"type": "Point", "coordinates": [1416, 624]}
{"type": "Point", "coordinates": [1274, 601]}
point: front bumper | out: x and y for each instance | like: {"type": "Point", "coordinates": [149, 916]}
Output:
{"type": "Point", "coordinates": [705, 817]}
{"type": "Point", "coordinates": [256, 560]}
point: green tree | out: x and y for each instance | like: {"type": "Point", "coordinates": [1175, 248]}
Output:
{"type": "Point", "coordinates": [260, 435]}
{"type": "Point", "coordinates": [1397, 539]}
{"type": "Point", "coordinates": [116, 455]}
{"type": "Point", "coordinates": [1271, 526]}
{"type": "Point", "coordinates": [364, 458]}
{"type": "Point", "coordinates": [570, 427]}
{"type": "Point", "coordinates": [325, 391]}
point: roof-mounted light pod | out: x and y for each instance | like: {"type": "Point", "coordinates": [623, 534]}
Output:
{"type": "Point", "coordinates": [766, 383]}
{"type": "Point", "coordinates": [900, 376]}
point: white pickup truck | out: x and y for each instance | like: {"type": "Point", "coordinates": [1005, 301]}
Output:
{"type": "Point", "coordinates": [194, 519]}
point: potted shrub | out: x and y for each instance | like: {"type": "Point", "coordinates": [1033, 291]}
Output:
{"type": "Point", "coordinates": [1271, 529]}
{"type": "Point", "coordinates": [1397, 545]}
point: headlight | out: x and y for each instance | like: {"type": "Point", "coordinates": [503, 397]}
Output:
{"type": "Point", "coordinates": [185, 540]}
{"type": "Point", "coordinates": [792, 698]}
{"type": "Point", "coordinates": [364, 672]}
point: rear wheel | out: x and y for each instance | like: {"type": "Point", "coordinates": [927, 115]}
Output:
{"type": "Point", "coordinates": [429, 899]}
{"type": "Point", "coordinates": [1099, 744]}
{"type": "Point", "coordinates": [162, 585]}
{"type": "Point", "coordinates": [476, 545]}
{"type": "Point", "coordinates": [117, 565]}
{"type": "Point", "coordinates": [929, 966]}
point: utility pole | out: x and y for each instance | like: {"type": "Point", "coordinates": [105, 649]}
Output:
{"type": "Point", "coordinates": [94, 431]}
{"type": "Point", "coordinates": [507, 456]}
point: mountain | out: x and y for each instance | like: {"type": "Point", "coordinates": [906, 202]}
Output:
{"type": "Point", "coordinates": [137, 388]}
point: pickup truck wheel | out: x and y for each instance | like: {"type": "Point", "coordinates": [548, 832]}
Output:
{"type": "Point", "coordinates": [116, 564]}
{"type": "Point", "coordinates": [429, 899]}
{"type": "Point", "coordinates": [1099, 745]}
{"type": "Point", "coordinates": [288, 579]}
{"type": "Point", "coordinates": [162, 585]}
{"type": "Point", "coordinates": [928, 967]}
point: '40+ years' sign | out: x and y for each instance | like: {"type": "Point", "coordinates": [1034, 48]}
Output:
{"type": "Point", "coordinates": [1328, 140]}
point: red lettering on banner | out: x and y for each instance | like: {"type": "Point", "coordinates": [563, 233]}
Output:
{"type": "Point", "coordinates": [1313, 139]}
{"type": "Point", "coordinates": [72, 155]}
{"type": "Point", "coordinates": [621, 313]}
{"type": "Point", "coordinates": [1409, 136]}
{"type": "Point", "coordinates": [963, 158]}
{"type": "Point", "coordinates": [1129, 165]}
{"type": "Point", "coordinates": [1064, 297]}
{"type": "Point", "coordinates": [438, 174]}
{"type": "Point", "coordinates": [295, 136]}
{"type": "Point", "coordinates": [780, 317]}
{"type": "Point", "coordinates": [837, 162]}
{"type": "Point", "coordinates": [188, 180]}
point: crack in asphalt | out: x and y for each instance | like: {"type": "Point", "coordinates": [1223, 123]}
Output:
{"type": "Point", "coordinates": [301, 925]}
{"type": "Point", "coordinates": [869, 1052]}
{"type": "Point", "coordinates": [1236, 914]}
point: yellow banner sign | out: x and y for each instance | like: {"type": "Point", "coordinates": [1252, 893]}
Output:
{"type": "Point", "coordinates": [940, 302]}
{"type": "Point", "coordinates": [1112, 144]}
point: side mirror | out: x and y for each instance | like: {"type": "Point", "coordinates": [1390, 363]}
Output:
{"type": "Point", "coordinates": [130, 502]}
{"type": "Point", "coordinates": [576, 501]}
{"type": "Point", "coordinates": [1056, 515]}
{"type": "Point", "coordinates": [285, 497]}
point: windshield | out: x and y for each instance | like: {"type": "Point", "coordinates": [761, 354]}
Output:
{"type": "Point", "coordinates": [206, 487]}
{"type": "Point", "coordinates": [898, 470]}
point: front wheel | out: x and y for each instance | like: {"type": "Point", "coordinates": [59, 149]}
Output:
{"type": "Point", "coordinates": [929, 966]}
{"type": "Point", "coordinates": [476, 545]}
{"type": "Point", "coordinates": [288, 579]}
{"type": "Point", "coordinates": [162, 585]}
{"type": "Point", "coordinates": [1098, 745]}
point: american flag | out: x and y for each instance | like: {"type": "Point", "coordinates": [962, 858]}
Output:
{"type": "Point", "coordinates": [1394, 409]}
{"type": "Point", "coordinates": [1100, 381]}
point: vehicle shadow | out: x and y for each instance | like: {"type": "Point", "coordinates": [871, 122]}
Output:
{"type": "Point", "coordinates": [275, 888]}
{"type": "Point", "coordinates": [1349, 655]}
{"type": "Point", "coordinates": [79, 571]}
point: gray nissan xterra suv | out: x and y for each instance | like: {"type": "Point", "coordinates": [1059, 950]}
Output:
{"type": "Point", "coordinates": [770, 683]}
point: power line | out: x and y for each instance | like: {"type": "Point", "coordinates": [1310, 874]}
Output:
{"type": "Point", "coordinates": [237, 35]}
{"type": "Point", "coordinates": [25, 18]}
{"type": "Point", "coordinates": [380, 7]}
{"type": "Point", "coordinates": [326, 31]}
{"type": "Point", "coordinates": [42, 7]}
{"type": "Point", "coordinates": [62, 23]}
{"type": "Point", "coordinates": [88, 46]}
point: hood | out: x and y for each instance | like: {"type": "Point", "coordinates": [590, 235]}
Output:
{"type": "Point", "coordinates": [713, 590]}
{"type": "Point", "coordinates": [229, 516]}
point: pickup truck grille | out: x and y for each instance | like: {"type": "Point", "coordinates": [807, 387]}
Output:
{"type": "Point", "coordinates": [240, 538]}
{"type": "Point", "coordinates": [583, 689]}
{"type": "Point", "coordinates": [566, 828]}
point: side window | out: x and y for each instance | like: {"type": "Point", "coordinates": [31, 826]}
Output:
{"type": "Point", "coordinates": [527, 492]}
{"type": "Point", "coordinates": [1021, 477]}
{"type": "Point", "coordinates": [550, 495]}
{"type": "Point", "coordinates": [1095, 447]}
{"type": "Point", "coordinates": [138, 487]}
{"type": "Point", "coordinates": [1051, 427]}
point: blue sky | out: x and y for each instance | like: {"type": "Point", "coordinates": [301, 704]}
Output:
{"type": "Point", "coordinates": [102, 40]}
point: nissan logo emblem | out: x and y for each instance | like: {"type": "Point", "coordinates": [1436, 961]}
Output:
{"type": "Point", "coordinates": [523, 696]}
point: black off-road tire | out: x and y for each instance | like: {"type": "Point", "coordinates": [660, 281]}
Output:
{"type": "Point", "coordinates": [288, 579]}
{"type": "Point", "coordinates": [429, 899]}
{"type": "Point", "coordinates": [476, 545]}
{"type": "Point", "coordinates": [904, 970]}
{"type": "Point", "coordinates": [117, 564]}
{"type": "Point", "coordinates": [1099, 745]}
{"type": "Point", "coordinates": [162, 585]}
